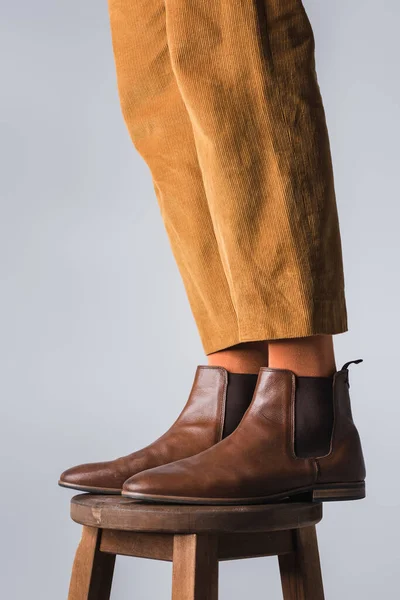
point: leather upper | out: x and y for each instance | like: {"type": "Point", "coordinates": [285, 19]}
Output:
{"type": "Point", "coordinates": [199, 426]}
{"type": "Point", "coordinates": [258, 460]}
{"type": "Point", "coordinates": [345, 461]}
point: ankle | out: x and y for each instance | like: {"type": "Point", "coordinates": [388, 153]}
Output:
{"type": "Point", "coordinates": [248, 357]}
{"type": "Point", "coordinates": [306, 357]}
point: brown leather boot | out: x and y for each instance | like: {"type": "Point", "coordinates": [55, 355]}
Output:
{"type": "Point", "coordinates": [216, 405]}
{"type": "Point", "coordinates": [274, 454]}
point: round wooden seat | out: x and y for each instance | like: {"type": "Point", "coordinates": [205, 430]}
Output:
{"type": "Point", "coordinates": [115, 512]}
{"type": "Point", "coordinates": [195, 539]}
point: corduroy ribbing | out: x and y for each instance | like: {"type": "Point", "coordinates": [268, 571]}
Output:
{"type": "Point", "coordinates": [222, 102]}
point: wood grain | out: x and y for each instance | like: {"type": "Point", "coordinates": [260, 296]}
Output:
{"type": "Point", "coordinates": [92, 571]}
{"type": "Point", "coordinates": [195, 538]}
{"type": "Point", "coordinates": [301, 570]}
{"type": "Point", "coordinates": [142, 545]}
{"type": "Point", "coordinates": [113, 512]}
{"type": "Point", "coordinates": [195, 568]}
{"type": "Point", "coordinates": [234, 546]}
{"type": "Point", "coordinates": [231, 546]}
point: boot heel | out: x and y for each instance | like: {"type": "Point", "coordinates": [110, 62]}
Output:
{"type": "Point", "coordinates": [336, 491]}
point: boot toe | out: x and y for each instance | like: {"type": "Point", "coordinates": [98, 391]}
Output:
{"type": "Point", "coordinates": [177, 482]}
{"type": "Point", "coordinates": [98, 478]}
{"type": "Point", "coordinates": [158, 483]}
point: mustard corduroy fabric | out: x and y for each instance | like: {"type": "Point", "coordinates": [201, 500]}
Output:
{"type": "Point", "coordinates": [221, 99]}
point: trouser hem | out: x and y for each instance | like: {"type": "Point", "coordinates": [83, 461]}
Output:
{"type": "Point", "coordinates": [324, 325]}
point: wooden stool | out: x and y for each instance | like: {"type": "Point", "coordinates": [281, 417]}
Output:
{"type": "Point", "coordinates": [195, 538]}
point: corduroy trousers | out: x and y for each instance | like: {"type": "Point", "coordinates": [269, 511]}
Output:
{"type": "Point", "coordinates": [221, 100]}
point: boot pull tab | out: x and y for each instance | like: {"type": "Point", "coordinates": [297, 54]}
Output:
{"type": "Point", "coordinates": [346, 368]}
{"type": "Point", "coordinates": [351, 362]}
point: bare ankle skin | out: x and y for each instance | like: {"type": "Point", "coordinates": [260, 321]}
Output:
{"type": "Point", "coordinates": [248, 357]}
{"type": "Point", "coordinates": [307, 357]}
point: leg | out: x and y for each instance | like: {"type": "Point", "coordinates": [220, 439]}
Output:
{"type": "Point", "coordinates": [301, 571]}
{"type": "Point", "coordinates": [308, 357]}
{"type": "Point", "coordinates": [247, 76]}
{"type": "Point", "coordinates": [243, 358]}
{"type": "Point", "coordinates": [195, 568]}
{"type": "Point", "coordinates": [93, 570]}
{"type": "Point", "coordinates": [160, 128]}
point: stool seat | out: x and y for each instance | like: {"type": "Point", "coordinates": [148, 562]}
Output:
{"type": "Point", "coordinates": [113, 512]}
{"type": "Point", "coordinates": [195, 539]}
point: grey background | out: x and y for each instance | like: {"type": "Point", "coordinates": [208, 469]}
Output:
{"type": "Point", "coordinates": [97, 343]}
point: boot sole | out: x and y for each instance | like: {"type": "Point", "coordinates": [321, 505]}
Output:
{"type": "Point", "coordinates": [90, 489]}
{"type": "Point", "coordinates": [332, 492]}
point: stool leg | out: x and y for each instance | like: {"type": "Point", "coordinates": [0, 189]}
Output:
{"type": "Point", "coordinates": [301, 570]}
{"type": "Point", "coordinates": [195, 567]}
{"type": "Point", "coordinates": [93, 570]}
